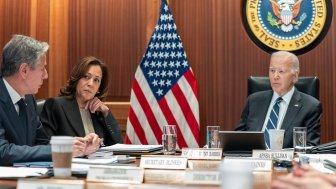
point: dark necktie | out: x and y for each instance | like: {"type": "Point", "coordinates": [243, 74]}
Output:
{"type": "Point", "coordinates": [23, 113]}
{"type": "Point", "coordinates": [273, 120]}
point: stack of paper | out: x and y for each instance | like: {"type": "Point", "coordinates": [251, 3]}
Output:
{"type": "Point", "coordinates": [96, 161]}
{"type": "Point", "coordinates": [20, 172]}
{"type": "Point", "coordinates": [133, 149]}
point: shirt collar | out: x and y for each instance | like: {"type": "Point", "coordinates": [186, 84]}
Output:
{"type": "Point", "coordinates": [285, 98]}
{"type": "Point", "coordinates": [15, 97]}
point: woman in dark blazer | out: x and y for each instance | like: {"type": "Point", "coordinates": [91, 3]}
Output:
{"type": "Point", "coordinates": [79, 109]}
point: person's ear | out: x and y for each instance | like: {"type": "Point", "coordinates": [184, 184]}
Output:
{"type": "Point", "coordinates": [23, 70]}
{"type": "Point", "coordinates": [296, 77]}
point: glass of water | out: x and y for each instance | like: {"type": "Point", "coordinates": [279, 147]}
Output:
{"type": "Point", "coordinates": [169, 139]}
{"type": "Point", "coordinates": [299, 140]}
{"type": "Point", "coordinates": [212, 136]}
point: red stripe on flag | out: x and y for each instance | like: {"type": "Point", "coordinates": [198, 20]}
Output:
{"type": "Point", "coordinates": [188, 114]}
{"type": "Point", "coordinates": [172, 121]}
{"type": "Point", "coordinates": [192, 81]}
{"type": "Point", "coordinates": [127, 140]}
{"type": "Point", "coordinates": [137, 126]}
{"type": "Point", "coordinates": [147, 110]}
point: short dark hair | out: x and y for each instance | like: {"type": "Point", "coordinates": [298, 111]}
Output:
{"type": "Point", "coordinates": [79, 72]}
{"type": "Point", "coordinates": [21, 49]}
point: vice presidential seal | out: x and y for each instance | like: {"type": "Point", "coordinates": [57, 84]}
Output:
{"type": "Point", "coordinates": [290, 25]}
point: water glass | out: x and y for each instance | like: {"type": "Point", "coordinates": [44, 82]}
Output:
{"type": "Point", "coordinates": [213, 136]}
{"type": "Point", "coordinates": [169, 139]}
{"type": "Point", "coordinates": [299, 139]}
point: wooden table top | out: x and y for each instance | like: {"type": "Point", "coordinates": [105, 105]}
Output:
{"type": "Point", "coordinates": [262, 180]}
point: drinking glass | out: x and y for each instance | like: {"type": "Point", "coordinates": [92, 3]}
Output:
{"type": "Point", "coordinates": [299, 139]}
{"type": "Point", "coordinates": [213, 136]}
{"type": "Point", "coordinates": [169, 139]}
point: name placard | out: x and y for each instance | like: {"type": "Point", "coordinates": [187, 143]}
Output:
{"type": "Point", "coordinates": [202, 153]}
{"type": "Point", "coordinates": [204, 164]}
{"type": "Point", "coordinates": [50, 183]}
{"type": "Point", "coordinates": [207, 177]}
{"type": "Point", "coordinates": [118, 174]}
{"type": "Point", "coordinates": [164, 176]}
{"type": "Point", "coordinates": [273, 154]}
{"type": "Point", "coordinates": [163, 162]}
{"type": "Point", "coordinates": [256, 164]}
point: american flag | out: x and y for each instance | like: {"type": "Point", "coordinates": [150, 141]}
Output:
{"type": "Point", "coordinates": [164, 90]}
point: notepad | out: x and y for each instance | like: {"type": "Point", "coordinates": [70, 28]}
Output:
{"type": "Point", "coordinates": [44, 164]}
{"type": "Point", "coordinates": [21, 172]}
{"type": "Point", "coordinates": [132, 148]}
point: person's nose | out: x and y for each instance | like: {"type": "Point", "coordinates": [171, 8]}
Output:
{"type": "Point", "coordinates": [276, 75]}
{"type": "Point", "coordinates": [90, 82]}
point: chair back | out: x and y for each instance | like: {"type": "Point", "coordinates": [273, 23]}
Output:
{"type": "Point", "coordinates": [40, 104]}
{"type": "Point", "coordinates": [308, 85]}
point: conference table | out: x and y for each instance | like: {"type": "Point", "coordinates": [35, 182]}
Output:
{"type": "Point", "coordinates": [262, 180]}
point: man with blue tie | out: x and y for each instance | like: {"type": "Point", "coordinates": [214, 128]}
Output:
{"type": "Point", "coordinates": [283, 107]}
{"type": "Point", "coordinates": [22, 137]}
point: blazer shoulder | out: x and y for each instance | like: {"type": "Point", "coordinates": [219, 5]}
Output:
{"type": "Point", "coordinates": [260, 95]}
{"type": "Point", "coordinates": [59, 100]}
{"type": "Point", "coordinates": [308, 98]}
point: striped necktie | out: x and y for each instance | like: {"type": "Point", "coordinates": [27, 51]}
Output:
{"type": "Point", "coordinates": [273, 120]}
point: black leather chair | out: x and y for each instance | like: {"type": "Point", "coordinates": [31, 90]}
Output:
{"type": "Point", "coordinates": [308, 85]}
{"type": "Point", "coordinates": [40, 104]}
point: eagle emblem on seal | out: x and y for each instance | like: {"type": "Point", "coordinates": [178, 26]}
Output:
{"type": "Point", "coordinates": [286, 11]}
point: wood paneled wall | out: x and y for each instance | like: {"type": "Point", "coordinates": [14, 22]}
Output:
{"type": "Point", "coordinates": [117, 31]}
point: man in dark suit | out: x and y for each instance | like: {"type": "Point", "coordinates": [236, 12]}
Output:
{"type": "Point", "coordinates": [22, 137]}
{"type": "Point", "coordinates": [296, 108]}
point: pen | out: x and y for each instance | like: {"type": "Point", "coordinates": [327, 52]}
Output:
{"type": "Point", "coordinates": [329, 165]}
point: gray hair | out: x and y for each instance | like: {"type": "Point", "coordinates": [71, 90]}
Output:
{"type": "Point", "coordinates": [21, 49]}
{"type": "Point", "coordinates": [291, 57]}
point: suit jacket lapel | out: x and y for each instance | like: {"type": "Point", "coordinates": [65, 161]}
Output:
{"type": "Point", "coordinates": [263, 108]}
{"type": "Point", "coordinates": [11, 113]}
{"type": "Point", "coordinates": [293, 108]}
{"type": "Point", "coordinates": [71, 110]}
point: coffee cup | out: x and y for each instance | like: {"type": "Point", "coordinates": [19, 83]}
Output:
{"type": "Point", "coordinates": [61, 148]}
{"type": "Point", "coordinates": [276, 138]}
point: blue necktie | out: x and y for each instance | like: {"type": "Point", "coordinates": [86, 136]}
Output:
{"type": "Point", "coordinates": [273, 120]}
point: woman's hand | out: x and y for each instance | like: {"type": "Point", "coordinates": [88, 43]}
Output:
{"type": "Point", "coordinates": [79, 147]}
{"type": "Point", "coordinates": [92, 143]}
{"type": "Point", "coordinates": [97, 105]}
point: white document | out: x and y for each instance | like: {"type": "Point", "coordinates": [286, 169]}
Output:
{"type": "Point", "coordinates": [316, 161]}
{"type": "Point", "coordinates": [21, 172]}
{"type": "Point", "coordinates": [95, 161]}
{"type": "Point", "coordinates": [132, 147]}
